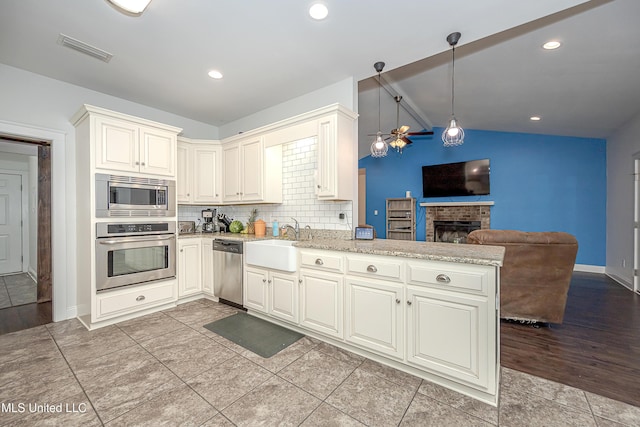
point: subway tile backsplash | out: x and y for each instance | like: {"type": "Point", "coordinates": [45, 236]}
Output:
{"type": "Point", "coordinates": [299, 165]}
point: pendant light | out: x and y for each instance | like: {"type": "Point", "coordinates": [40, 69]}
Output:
{"type": "Point", "coordinates": [379, 146]}
{"type": "Point", "coordinates": [453, 135]}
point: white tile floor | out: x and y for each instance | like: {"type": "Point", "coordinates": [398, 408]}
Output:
{"type": "Point", "coordinates": [166, 369]}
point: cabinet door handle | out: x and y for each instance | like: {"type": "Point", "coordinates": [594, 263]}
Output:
{"type": "Point", "coordinates": [140, 298]}
{"type": "Point", "coordinates": [443, 278]}
{"type": "Point", "coordinates": [319, 261]}
{"type": "Point", "coordinates": [318, 185]}
{"type": "Point", "coordinates": [181, 250]}
{"type": "Point", "coordinates": [216, 194]}
{"type": "Point", "coordinates": [142, 163]}
{"type": "Point", "coordinates": [408, 302]}
{"type": "Point", "coordinates": [269, 280]}
{"type": "Point", "coordinates": [372, 269]}
{"type": "Point", "coordinates": [264, 280]}
{"type": "Point", "coordinates": [397, 301]}
{"type": "Point", "coordinates": [137, 163]}
{"type": "Point", "coordinates": [300, 281]}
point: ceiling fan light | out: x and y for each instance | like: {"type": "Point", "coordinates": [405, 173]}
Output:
{"type": "Point", "coordinates": [453, 135]}
{"type": "Point", "coordinates": [131, 6]}
{"type": "Point", "coordinates": [379, 147]}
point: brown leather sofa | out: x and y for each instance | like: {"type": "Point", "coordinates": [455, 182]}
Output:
{"type": "Point", "coordinates": [536, 272]}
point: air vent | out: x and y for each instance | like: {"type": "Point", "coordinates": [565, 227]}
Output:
{"type": "Point", "coordinates": [83, 47]}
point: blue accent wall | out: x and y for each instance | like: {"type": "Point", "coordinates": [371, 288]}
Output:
{"type": "Point", "coordinates": [538, 183]}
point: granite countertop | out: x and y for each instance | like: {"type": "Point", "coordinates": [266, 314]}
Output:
{"type": "Point", "coordinates": [448, 252]}
{"type": "Point", "coordinates": [226, 236]}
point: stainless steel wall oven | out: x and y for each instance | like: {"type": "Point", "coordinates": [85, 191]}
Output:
{"type": "Point", "coordinates": [129, 254]}
{"type": "Point", "coordinates": [127, 196]}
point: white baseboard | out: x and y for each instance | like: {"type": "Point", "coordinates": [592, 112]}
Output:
{"type": "Point", "coordinates": [33, 274]}
{"type": "Point", "coordinates": [585, 268]}
{"type": "Point", "coordinates": [622, 281]}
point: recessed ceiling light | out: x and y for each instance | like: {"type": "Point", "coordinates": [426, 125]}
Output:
{"type": "Point", "coordinates": [132, 6]}
{"type": "Point", "coordinates": [318, 11]}
{"type": "Point", "coordinates": [535, 118]}
{"type": "Point", "coordinates": [215, 74]}
{"type": "Point", "coordinates": [552, 44]}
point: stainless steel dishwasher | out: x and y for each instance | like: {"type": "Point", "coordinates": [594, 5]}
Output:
{"type": "Point", "coordinates": [227, 271]}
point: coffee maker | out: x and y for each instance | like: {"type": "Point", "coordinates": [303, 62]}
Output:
{"type": "Point", "coordinates": [208, 226]}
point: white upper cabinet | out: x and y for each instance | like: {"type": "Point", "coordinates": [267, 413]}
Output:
{"type": "Point", "coordinates": [199, 177]}
{"type": "Point", "coordinates": [251, 173]}
{"type": "Point", "coordinates": [122, 145]}
{"type": "Point", "coordinates": [337, 157]}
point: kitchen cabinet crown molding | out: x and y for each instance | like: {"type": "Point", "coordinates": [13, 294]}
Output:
{"type": "Point", "coordinates": [300, 118]}
{"type": "Point", "coordinates": [87, 109]}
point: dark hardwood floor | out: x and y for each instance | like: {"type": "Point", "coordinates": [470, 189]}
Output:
{"type": "Point", "coordinates": [26, 316]}
{"type": "Point", "coordinates": [596, 348]}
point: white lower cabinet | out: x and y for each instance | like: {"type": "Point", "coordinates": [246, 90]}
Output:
{"type": "Point", "coordinates": [207, 266]}
{"type": "Point", "coordinates": [283, 296]}
{"type": "Point", "coordinates": [189, 267]}
{"type": "Point", "coordinates": [374, 312]}
{"type": "Point", "coordinates": [131, 299]}
{"type": "Point", "coordinates": [255, 289]}
{"type": "Point", "coordinates": [321, 302]}
{"type": "Point", "coordinates": [272, 292]}
{"type": "Point", "coordinates": [447, 333]}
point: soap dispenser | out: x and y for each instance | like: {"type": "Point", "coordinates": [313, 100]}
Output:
{"type": "Point", "coordinates": [276, 229]}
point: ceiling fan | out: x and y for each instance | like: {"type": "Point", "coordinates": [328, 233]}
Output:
{"type": "Point", "coordinates": [399, 135]}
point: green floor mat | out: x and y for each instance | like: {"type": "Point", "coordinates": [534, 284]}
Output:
{"type": "Point", "coordinates": [259, 336]}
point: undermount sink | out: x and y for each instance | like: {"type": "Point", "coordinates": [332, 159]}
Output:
{"type": "Point", "coordinates": [276, 254]}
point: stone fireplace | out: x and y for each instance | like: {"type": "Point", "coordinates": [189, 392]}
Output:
{"type": "Point", "coordinates": [460, 216]}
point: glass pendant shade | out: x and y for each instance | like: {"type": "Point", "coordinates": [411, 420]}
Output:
{"type": "Point", "coordinates": [453, 135]}
{"type": "Point", "coordinates": [379, 147]}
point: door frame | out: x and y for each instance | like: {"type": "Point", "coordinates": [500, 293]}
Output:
{"type": "Point", "coordinates": [24, 213]}
{"type": "Point", "coordinates": [636, 223]}
{"type": "Point", "coordinates": [62, 252]}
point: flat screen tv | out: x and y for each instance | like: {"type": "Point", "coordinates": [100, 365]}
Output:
{"type": "Point", "coordinates": [456, 179]}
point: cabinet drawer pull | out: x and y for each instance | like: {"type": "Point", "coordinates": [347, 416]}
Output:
{"type": "Point", "coordinates": [397, 301]}
{"type": "Point", "coordinates": [372, 269]}
{"type": "Point", "coordinates": [319, 261]}
{"type": "Point", "coordinates": [443, 278]}
{"type": "Point", "coordinates": [140, 298]}
{"type": "Point", "coordinates": [408, 302]}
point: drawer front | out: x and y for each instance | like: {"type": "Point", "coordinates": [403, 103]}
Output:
{"type": "Point", "coordinates": [320, 260]}
{"type": "Point", "coordinates": [467, 278]}
{"type": "Point", "coordinates": [138, 298]}
{"type": "Point", "coordinates": [373, 266]}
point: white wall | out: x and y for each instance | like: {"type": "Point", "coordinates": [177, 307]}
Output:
{"type": "Point", "coordinates": [33, 105]}
{"type": "Point", "coordinates": [343, 92]}
{"type": "Point", "coordinates": [621, 149]}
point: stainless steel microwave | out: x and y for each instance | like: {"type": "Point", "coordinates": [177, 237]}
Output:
{"type": "Point", "coordinates": [127, 196]}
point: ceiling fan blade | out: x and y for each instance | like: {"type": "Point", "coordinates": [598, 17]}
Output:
{"type": "Point", "coordinates": [403, 129]}
{"type": "Point", "coordinates": [421, 133]}
{"type": "Point", "coordinates": [407, 140]}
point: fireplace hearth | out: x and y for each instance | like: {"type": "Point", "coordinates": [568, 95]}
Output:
{"type": "Point", "coordinates": [477, 212]}
{"type": "Point", "coordinates": [454, 231]}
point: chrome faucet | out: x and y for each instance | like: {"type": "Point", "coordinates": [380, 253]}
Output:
{"type": "Point", "coordinates": [296, 229]}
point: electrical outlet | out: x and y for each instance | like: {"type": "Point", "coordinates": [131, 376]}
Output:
{"type": "Point", "coordinates": [624, 263]}
{"type": "Point", "coordinates": [375, 212]}
{"type": "Point", "coordinates": [341, 215]}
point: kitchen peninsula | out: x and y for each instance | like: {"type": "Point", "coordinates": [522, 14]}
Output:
{"type": "Point", "coordinates": [429, 309]}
